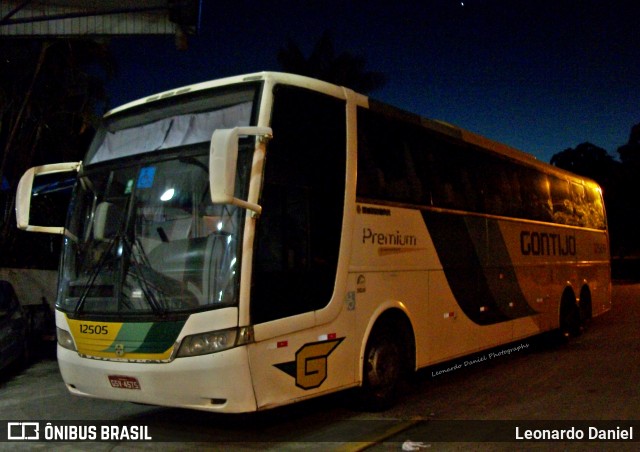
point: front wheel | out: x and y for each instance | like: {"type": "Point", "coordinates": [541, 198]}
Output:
{"type": "Point", "coordinates": [383, 370]}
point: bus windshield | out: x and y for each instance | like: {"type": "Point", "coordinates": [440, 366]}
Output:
{"type": "Point", "coordinates": [143, 236]}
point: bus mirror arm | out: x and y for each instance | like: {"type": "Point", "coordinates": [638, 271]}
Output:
{"type": "Point", "coordinates": [223, 160]}
{"type": "Point", "coordinates": [25, 192]}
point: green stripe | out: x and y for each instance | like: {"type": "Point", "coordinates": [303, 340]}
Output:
{"type": "Point", "coordinates": [147, 337]}
{"type": "Point", "coordinates": [474, 255]}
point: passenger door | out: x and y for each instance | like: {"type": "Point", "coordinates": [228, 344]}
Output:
{"type": "Point", "coordinates": [296, 250]}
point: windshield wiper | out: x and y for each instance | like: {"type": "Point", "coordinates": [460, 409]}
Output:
{"type": "Point", "coordinates": [155, 305]}
{"type": "Point", "coordinates": [139, 266]}
{"type": "Point", "coordinates": [92, 279]}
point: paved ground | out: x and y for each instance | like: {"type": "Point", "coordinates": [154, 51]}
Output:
{"type": "Point", "coordinates": [592, 378]}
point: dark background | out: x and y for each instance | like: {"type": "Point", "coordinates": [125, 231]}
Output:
{"type": "Point", "coordinates": [556, 78]}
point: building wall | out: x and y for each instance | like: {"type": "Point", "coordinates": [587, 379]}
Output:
{"type": "Point", "coordinates": [32, 285]}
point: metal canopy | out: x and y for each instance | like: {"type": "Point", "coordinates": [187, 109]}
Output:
{"type": "Point", "coordinates": [98, 17]}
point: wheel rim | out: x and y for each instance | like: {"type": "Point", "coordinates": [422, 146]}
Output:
{"type": "Point", "coordinates": [384, 366]}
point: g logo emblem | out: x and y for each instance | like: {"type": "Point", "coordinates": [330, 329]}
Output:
{"type": "Point", "coordinates": [310, 367]}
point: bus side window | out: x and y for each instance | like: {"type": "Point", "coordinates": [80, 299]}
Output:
{"type": "Point", "coordinates": [594, 208]}
{"type": "Point", "coordinates": [563, 206]}
{"type": "Point", "coordinates": [535, 194]}
{"type": "Point", "coordinates": [453, 179]}
{"type": "Point", "coordinates": [370, 183]}
{"type": "Point", "coordinates": [442, 171]}
{"type": "Point", "coordinates": [579, 200]}
{"type": "Point", "coordinates": [386, 169]}
{"type": "Point", "coordinates": [503, 192]}
{"type": "Point", "coordinates": [513, 192]}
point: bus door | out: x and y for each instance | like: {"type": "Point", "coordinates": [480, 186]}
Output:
{"type": "Point", "coordinates": [296, 250]}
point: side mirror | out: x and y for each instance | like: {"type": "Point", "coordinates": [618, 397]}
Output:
{"type": "Point", "coordinates": [25, 193]}
{"type": "Point", "coordinates": [223, 160]}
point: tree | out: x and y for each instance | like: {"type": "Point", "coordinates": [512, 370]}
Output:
{"type": "Point", "coordinates": [619, 183]}
{"type": "Point", "coordinates": [343, 69]}
{"type": "Point", "coordinates": [587, 160]}
{"type": "Point", "coordinates": [50, 94]}
{"type": "Point", "coordinates": [630, 152]}
{"type": "Point", "coordinates": [624, 208]}
{"type": "Point", "coordinates": [49, 100]}
{"type": "Point", "coordinates": [595, 163]}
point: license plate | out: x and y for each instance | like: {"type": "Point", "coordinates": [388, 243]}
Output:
{"type": "Point", "coordinates": [123, 382]}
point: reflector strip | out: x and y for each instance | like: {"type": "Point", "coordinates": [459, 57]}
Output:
{"type": "Point", "coordinates": [327, 337]}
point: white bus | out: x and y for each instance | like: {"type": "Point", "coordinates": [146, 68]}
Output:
{"type": "Point", "coordinates": [250, 242]}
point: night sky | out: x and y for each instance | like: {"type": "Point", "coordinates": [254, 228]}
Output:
{"type": "Point", "coordinates": [539, 75]}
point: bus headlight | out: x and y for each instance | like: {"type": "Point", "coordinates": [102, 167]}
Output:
{"type": "Point", "coordinates": [65, 340]}
{"type": "Point", "coordinates": [214, 341]}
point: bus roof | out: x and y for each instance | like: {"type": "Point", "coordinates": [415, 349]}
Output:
{"type": "Point", "coordinates": [437, 126]}
{"type": "Point", "coordinates": [280, 77]}
{"type": "Point", "coordinates": [474, 139]}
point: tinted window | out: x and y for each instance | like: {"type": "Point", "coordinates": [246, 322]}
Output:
{"type": "Point", "coordinates": [385, 160]}
{"type": "Point", "coordinates": [404, 162]}
{"type": "Point", "coordinates": [298, 235]}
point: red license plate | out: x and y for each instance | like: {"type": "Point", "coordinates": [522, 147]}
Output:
{"type": "Point", "coordinates": [123, 382]}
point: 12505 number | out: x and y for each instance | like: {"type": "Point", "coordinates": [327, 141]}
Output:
{"type": "Point", "coordinates": [93, 329]}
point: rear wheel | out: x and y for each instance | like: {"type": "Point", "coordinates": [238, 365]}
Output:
{"type": "Point", "coordinates": [586, 312]}
{"type": "Point", "coordinates": [570, 318]}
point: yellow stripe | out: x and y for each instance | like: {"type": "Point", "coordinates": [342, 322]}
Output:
{"type": "Point", "coordinates": [358, 446]}
{"type": "Point", "coordinates": [95, 338]}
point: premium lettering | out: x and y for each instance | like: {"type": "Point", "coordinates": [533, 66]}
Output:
{"type": "Point", "coordinates": [378, 238]}
{"type": "Point", "coordinates": [547, 244]}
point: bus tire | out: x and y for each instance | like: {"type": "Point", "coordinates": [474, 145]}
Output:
{"type": "Point", "coordinates": [570, 318]}
{"type": "Point", "coordinates": [383, 369]}
{"type": "Point", "coordinates": [586, 310]}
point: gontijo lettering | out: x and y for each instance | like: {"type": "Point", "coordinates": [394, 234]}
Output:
{"type": "Point", "coordinates": [547, 244]}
